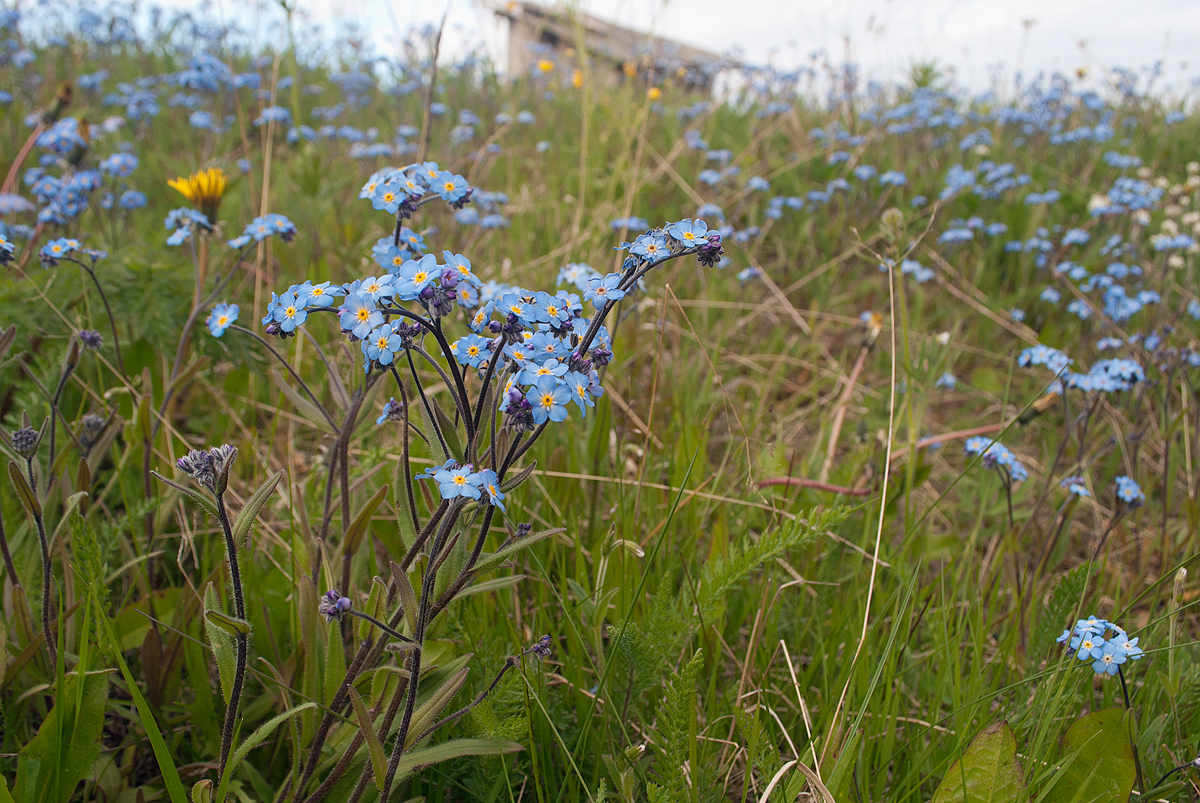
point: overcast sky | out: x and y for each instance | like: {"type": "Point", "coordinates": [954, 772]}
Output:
{"type": "Point", "coordinates": [884, 36]}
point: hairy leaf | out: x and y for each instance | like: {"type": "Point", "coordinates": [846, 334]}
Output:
{"type": "Point", "coordinates": [374, 746]}
{"type": "Point", "coordinates": [245, 519]}
{"type": "Point", "coordinates": [222, 643]}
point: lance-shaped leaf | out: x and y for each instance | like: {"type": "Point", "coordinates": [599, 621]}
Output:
{"type": "Point", "coordinates": [222, 643]}
{"type": "Point", "coordinates": [374, 746]}
{"type": "Point", "coordinates": [335, 663]}
{"type": "Point", "coordinates": [408, 597]}
{"type": "Point", "coordinates": [162, 753]}
{"type": "Point", "coordinates": [361, 521]}
{"type": "Point", "coordinates": [206, 504]}
{"type": "Point", "coordinates": [449, 431]}
{"type": "Point", "coordinates": [514, 481]}
{"type": "Point", "coordinates": [377, 607]}
{"type": "Point", "coordinates": [245, 519]}
{"type": "Point", "coordinates": [310, 674]}
{"type": "Point", "coordinates": [83, 482]}
{"type": "Point", "coordinates": [230, 624]}
{"type": "Point", "coordinates": [28, 497]}
{"type": "Point", "coordinates": [488, 562]}
{"type": "Point", "coordinates": [454, 748]}
{"type": "Point", "coordinates": [988, 771]}
{"type": "Point", "coordinates": [405, 516]}
{"type": "Point", "coordinates": [428, 713]}
{"type": "Point", "coordinates": [311, 413]}
{"type": "Point", "coordinates": [254, 740]}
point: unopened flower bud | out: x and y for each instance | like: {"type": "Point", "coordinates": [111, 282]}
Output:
{"type": "Point", "coordinates": [25, 442]}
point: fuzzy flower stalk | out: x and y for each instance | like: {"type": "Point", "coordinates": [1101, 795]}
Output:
{"type": "Point", "coordinates": [209, 468]}
{"type": "Point", "coordinates": [25, 442]}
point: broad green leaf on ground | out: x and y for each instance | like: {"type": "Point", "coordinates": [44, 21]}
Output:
{"type": "Point", "coordinates": [1097, 761]}
{"type": "Point", "coordinates": [988, 771]}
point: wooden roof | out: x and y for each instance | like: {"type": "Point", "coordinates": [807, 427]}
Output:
{"type": "Point", "coordinates": [603, 38]}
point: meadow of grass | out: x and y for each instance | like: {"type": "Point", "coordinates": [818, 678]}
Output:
{"type": "Point", "coordinates": [785, 570]}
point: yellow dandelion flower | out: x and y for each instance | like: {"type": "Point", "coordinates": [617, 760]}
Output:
{"type": "Point", "coordinates": [545, 65]}
{"type": "Point", "coordinates": [654, 93]}
{"type": "Point", "coordinates": [203, 190]}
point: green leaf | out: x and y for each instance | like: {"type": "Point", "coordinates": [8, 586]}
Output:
{"type": "Point", "coordinates": [1097, 761]}
{"type": "Point", "coordinates": [200, 499]}
{"type": "Point", "coordinates": [449, 431]}
{"type": "Point", "coordinates": [674, 726]}
{"type": "Point", "coordinates": [245, 519]}
{"type": "Point", "coordinates": [488, 562]}
{"type": "Point", "coordinates": [230, 624]}
{"type": "Point", "coordinates": [5, 797]}
{"type": "Point", "coordinates": [408, 597]}
{"type": "Point", "coordinates": [404, 507]}
{"type": "Point", "coordinates": [28, 497]}
{"type": "Point", "coordinates": [310, 683]}
{"type": "Point", "coordinates": [223, 645]}
{"type": "Point", "coordinates": [374, 746]}
{"type": "Point", "coordinates": [162, 753]}
{"type": "Point", "coordinates": [487, 586]}
{"type": "Point", "coordinates": [427, 714]}
{"type": "Point", "coordinates": [312, 414]}
{"type": "Point", "coordinates": [335, 663]}
{"type": "Point", "coordinates": [254, 740]}
{"type": "Point", "coordinates": [377, 607]}
{"type": "Point", "coordinates": [455, 748]}
{"type": "Point", "coordinates": [988, 772]}
{"type": "Point", "coordinates": [202, 792]}
{"type": "Point", "coordinates": [358, 526]}
{"type": "Point", "coordinates": [68, 741]}
{"type": "Point", "coordinates": [842, 775]}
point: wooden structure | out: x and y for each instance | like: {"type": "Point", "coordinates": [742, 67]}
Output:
{"type": "Point", "coordinates": [537, 33]}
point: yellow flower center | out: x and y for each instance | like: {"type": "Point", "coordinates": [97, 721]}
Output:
{"type": "Point", "coordinates": [224, 319]}
{"type": "Point", "coordinates": [460, 479]}
{"type": "Point", "coordinates": [547, 400]}
{"type": "Point", "coordinates": [473, 351]}
{"type": "Point", "coordinates": [290, 312]}
{"type": "Point", "coordinates": [364, 314]}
